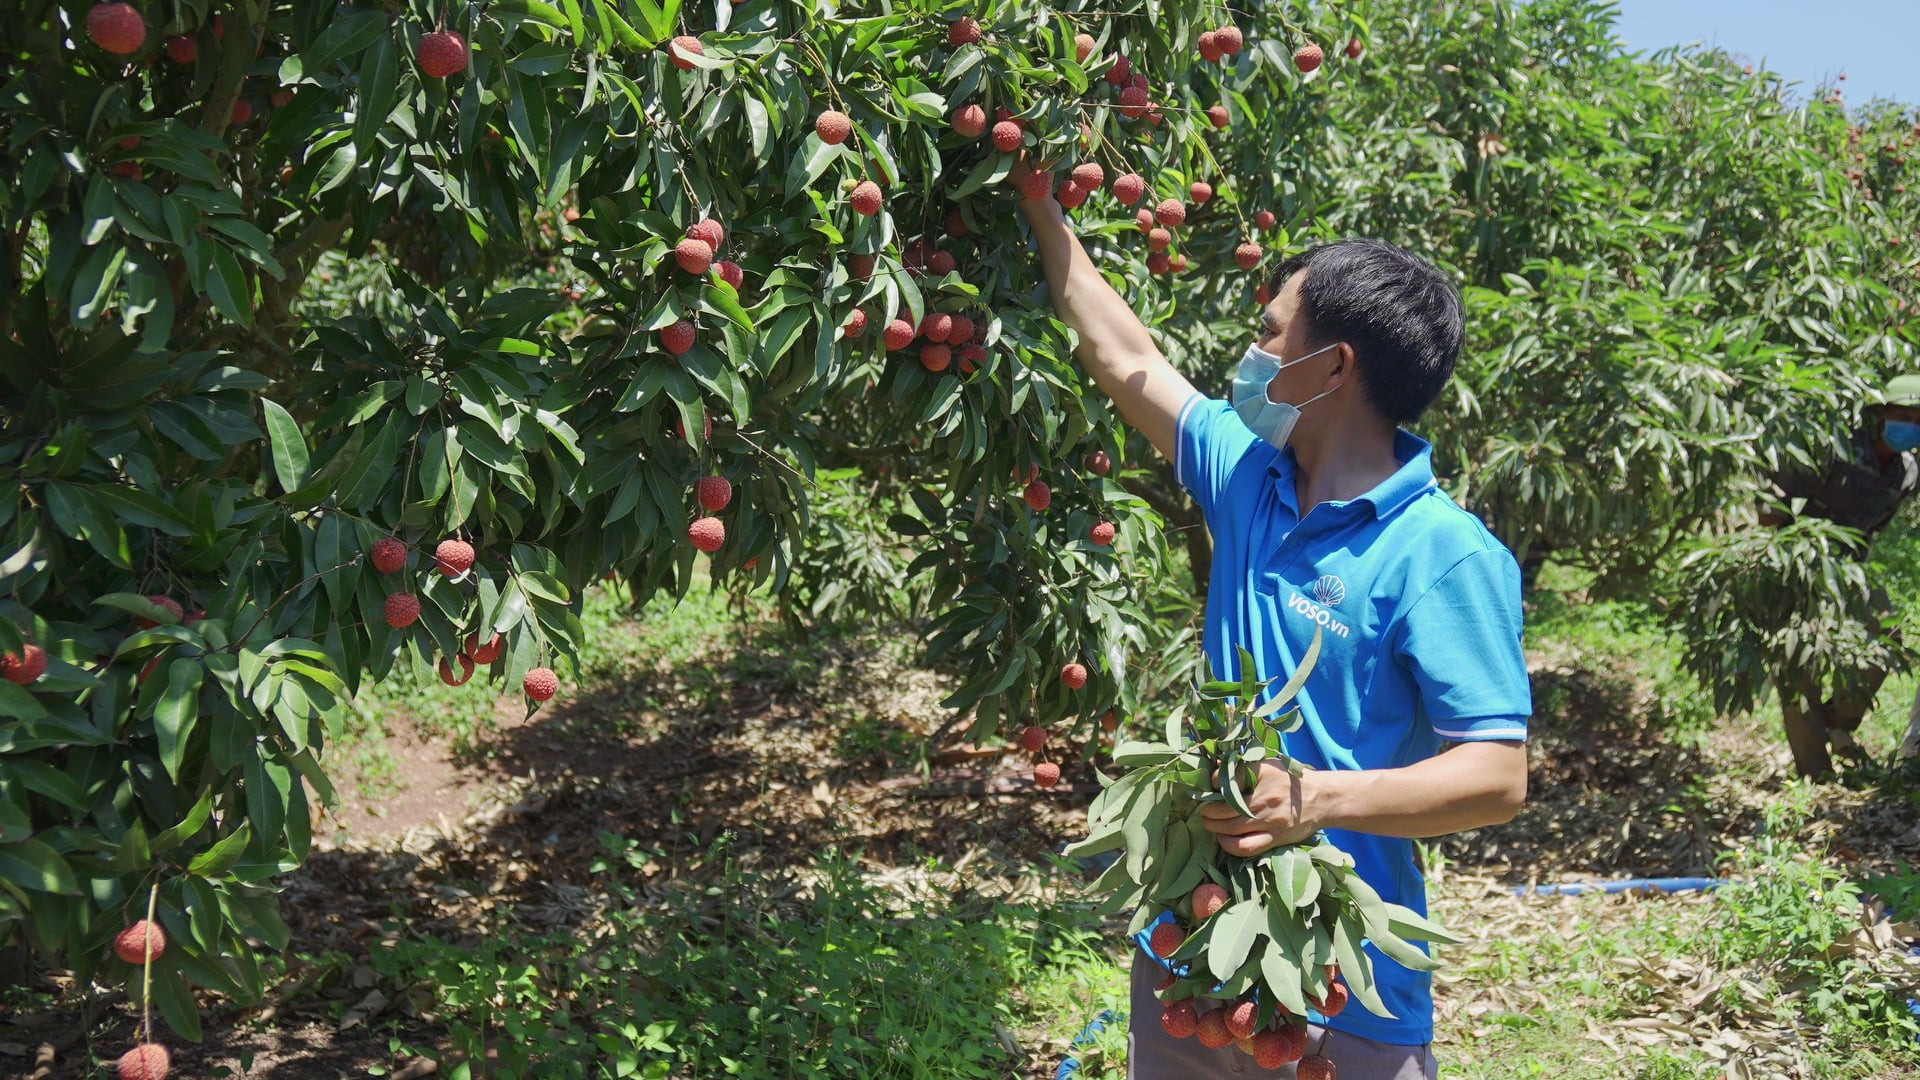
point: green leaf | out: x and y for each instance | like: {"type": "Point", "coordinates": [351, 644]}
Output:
{"type": "Point", "coordinates": [217, 859]}
{"type": "Point", "coordinates": [33, 865]}
{"type": "Point", "coordinates": [289, 446]}
{"type": "Point", "coordinates": [175, 712]}
{"type": "Point", "coordinates": [227, 284]}
{"type": "Point", "coordinates": [1234, 932]}
{"type": "Point", "coordinates": [1356, 966]}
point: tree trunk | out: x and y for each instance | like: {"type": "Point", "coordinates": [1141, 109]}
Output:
{"type": "Point", "coordinates": [1910, 745]}
{"type": "Point", "coordinates": [1806, 726]}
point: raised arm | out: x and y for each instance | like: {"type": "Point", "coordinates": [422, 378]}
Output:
{"type": "Point", "coordinates": [1115, 347]}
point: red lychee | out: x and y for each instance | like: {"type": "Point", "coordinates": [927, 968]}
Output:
{"type": "Point", "coordinates": [1201, 191]}
{"type": "Point", "coordinates": [1308, 57]}
{"type": "Point", "coordinates": [1316, 1067]}
{"type": "Point", "coordinates": [148, 1061]}
{"type": "Point", "coordinates": [963, 31]}
{"type": "Point", "coordinates": [1179, 262]}
{"type": "Point", "coordinates": [961, 331]}
{"type": "Point", "coordinates": [402, 610]}
{"type": "Point", "coordinates": [142, 941]}
{"type": "Point", "coordinates": [1241, 1016]}
{"type": "Point", "coordinates": [677, 337]}
{"type": "Point", "coordinates": [935, 356]}
{"type": "Point", "coordinates": [1073, 675]}
{"type": "Point", "coordinates": [453, 557]}
{"type": "Point", "coordinates": [1083, 46]}
{"type": "Point", "coordinates": [24, 667]}
{"type": "Point", "coordinates": [707, 534]}
{"type": "Point", "coordinates": [1158, 239]}
{"type": "Point", "coordinates": [856, 323]}
{"type": "Point", "coordinates": [1262, 295]}
{"type": "Point", "coordinates": [242, 112]}
{"type": "Point", "coordinates": [1263, 220]}
{"type": "Point", "coordinates": [709, 230]}
{"type": "Point", "coordinates": [1158, 263]}
{"type": "Point", "coordinates": [1212, 1029]}
{"type": "Point", "coordinates": [694, 255]}
{"type": "Point", "coordinates": [860, 267]}
{"type": "Point", "coordinates": [1275, 1049]}
{"type": "Point", "coordinates": [1098, 463]}
{"type": "Point", "coordinates": [970, 121]}
{"type": "Point", "coordinates": [1070, 195]}
{"type": "Point", "coordinates": [971, 357]}
{"type": "Point", "coordinates": [1133, 103]}
{"type": "Point", "coordinates": [466, 669]}
{"type": "Point", "coordinates": [167, 602]}
{"type": "Point", "coordinates": [1209, 46]}
{"type": "Point", "coordinates": [1180, 1019]}
{"type": "Point", "coordinates": [865, 198]}
{"type": "Point", "coordinates": [540, 683]}
{"type": "Point", "coordinates": [1166, 983]}
{"type": "Point", "coordinates": [117, 28]}
{"type": "Point", "coordinates": [942, 263]}
{"type": "Point", "coordinates": [484, 654]}
{"type": "Point", "coordinates": [389, 556]}
{"type": "Point", "coordinates": [442, 53]}
{"type": "Point", "coordinates": [1117, 74]}
{"type": "Point", "coordinates": [1108, 721]}
{"type": "Point", "coordinates": [1229, 39]}
{"type": "Point", "coordinates": [283, 97]}
{"type": "Point", "coordinates": [1217, 114]}
{"type": "Point", "coordinates": [1038, 494]}
{"type": "Point", "coordinates": [1128, 189]}
{"type": "Point", "coordinates": [1006, 136]}
{"type": "Point", "coordinates": [1032, 738]}
{"type": "Point", "coordinates": [182, 49]}
{"type": "Point", "coordinates": [1089, 175]}
{"type": "Point", "coordinates": [688, 45]}
{"type": "Point", "coordinates": [1036, 185]}
{"type": "Point", "coordinates": [936, 326]}
{"type": "Point", "coordinates": [1208, 899]}
{"type": "Point", "coordinates": [1046, 774]}
{"type": "Point", "coordinates": [1354, 49]}
{"type": "Point", "coordinates": [897, 335]}
{"type": "Point", "coordinates": [1336, 1000]}
{"type": "Point", "coordinates": [1139, 79]}
{"type": "Point", "coordinates": [1101, 533]}
{"type": "Point", "coordinates": [714, 493]}
{"type": "Point", "coordinates": [1170, 212]}
{"type": "Point", "coordinates": [1247, 255]}
{"type": "Point", "coordinates": [833, 126]}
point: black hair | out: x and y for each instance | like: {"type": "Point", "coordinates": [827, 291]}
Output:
{"type": "Point", "coordinates": [1401, 314]}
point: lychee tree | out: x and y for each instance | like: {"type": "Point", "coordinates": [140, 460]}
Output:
{"type": "Point", "coordinates": [295, 394]}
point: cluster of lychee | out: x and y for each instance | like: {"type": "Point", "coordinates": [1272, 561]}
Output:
{"type": "Point", "coordinates": [1280, 1043]}
{"type": "Point", "coordinates": [454, 558]}
{"type": "Point", "coordinates": [696, 253]}
{"type": "Point", "coordinates": [140, 944]}
{"type": "Point", "coordinates": [709, 533]}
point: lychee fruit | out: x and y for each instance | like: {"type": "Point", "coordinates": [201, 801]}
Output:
{"type": "Point", "coordinates": [856, 323]}
{"type": "Point", "coordinates": [142, 941]}
{"type": "Point", "coordinates": [1073, 675]}
{"type": "Point", "coordinates": [860, 267]}
{"type": "Point", "coordinates": [1201, 191]}
{"type": "Point", "coordinates": [1133, 103]}
{"type": "Point", "coordinates": [1316, 1067]}
{"type": "Point", "coordinates": [1247, 255]}
{"type": "Point", "coordinates": [710, 231]}
{"type": "Point", "coordinates": [1032, 738]}
{"type": "Point", "coordinates": [1139, 79]}
{"type": "Point", "coordinates": [970, 121]}
{"type": "Point", "coordinates": [1308, 57]}
{"type": "Point", "coordinates": [540, 683]}
{"type": "Point", "coordinates": [1336, 1000]}
{"type": "Point", "coordinates": [24, 667]}
{"type": "Point", "coordinates": [182, 49]}
{"type": "Point", "coordinates": [1170, 212]}
{"type": "Point", "coordinates": [833, 127]}
{"type": "Point", "coordinates": [1165, 939]}
{"type": "Point", "coordinates": [714, 493]}
{"type": "Point", "coordinates": [1158, 263]}
{"type": "Point", "coordinates": [1218, 115]}
{"type": "Point", "coordinates": [1354, 49]}
{"type": "Point", "coordinates": [283, 97]}
{"type": "Point", "coordinates": [961, 331]}
{"type": "Point", "coordinates": [731, 273]}
{"type": "Point", "coordinates": [453, 557]}
{"type": "Point", "coordinates": [1180, 1019]}
{"type": "Point", "coordinates": [442, 53]}
{"type": "Point", "coordinates": [167, 602]}
{"type": "Point", "coordinates": [242, 112]}
{"type": "Point", "coordinates": [936, 326]}
{"type": "Point", "coordinates": [117, 28]}
{"type": "Point", "coordinates": [1109, 721]}
{"type": "Point", "coordinates": [1006, 136]}
{"type": "Point", "coordinates": [942, 263]}
{"type": "Point", "coordinates": [446, 669]}
{"type": "Point", "coordinates": [484, 654]}
{"type": "Point", "coordinates": [148, 1061]}
{"type": "Point", "coordinates": [1128, 189]}
{"type": "Point", "coordinates": [1089, 175]}
{"type": "Point", "coordinates": [1262, 295]}
{"type": "Point", "coordinates": [694, 255]}
{"type": "Point", "coordinates": [865, 198]}
{"type": "Point", "coordinates": [897, 335]}
{"type": "Point", "coordinates": [1229, 39]}
{"type": "Point", "coordinates": [935, 356]}
{"type": "Point", "coordinates": [1166, 983]}
{"type": "Point", "coordinates": [1118, 73]}
{"type": "Point", "coordinates": [677, 337]}
{"type": "Point", "coordinates": [1038, 494]}
{"type": "Point", "coordinates": [1275, 1049]}
{"type": "Point", "coordinates": [1212, 1030]}
{"type": "Point", "coordinates": [1209, 46]}
{"type": "Point", "coordinates": [1241, 1016]}
{"type": "Point", "coordinates": [963, 31]}
{"type": "Point", "coordinates": [688, 45]}
{"type": "Point", "coordinates": [1046, 774]}
{"type": "Point", "coordinates": [1179, 262]}
{"type": "Point", "coordinates": [1263, 220]}
{"type": "Point", "coordinates": [1158, 239]}
{"type": "Point", "coordinates": [1083, 46]}
{"type": "Point", "coordinates": [1036, 185]}
{"type": "Point", "coordinates": [1070, 195]}
{"type": "Point", "coordinates": [402, 610]}
{"type": "Point", "coordinates": [1101, 533]}
{"type": "Point", "coordinates": [971, 357]}
{"type": "Point", "coordinates": [707, 534]}
{"type": "Point", "coordinates": [1098, 463]}
{"type": "Point", "coordinates": [389, 556]}
{"type": "Point", "coordinates": [1208, 899]}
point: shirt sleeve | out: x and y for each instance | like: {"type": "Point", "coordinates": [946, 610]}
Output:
{"type": "Point", "coordinates": [1210, 441]}
{"type": "Point", "coordinates": [1461, 641]}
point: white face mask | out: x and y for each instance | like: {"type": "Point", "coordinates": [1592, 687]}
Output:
{"type": "Point", "coordinates": [1271, 420]}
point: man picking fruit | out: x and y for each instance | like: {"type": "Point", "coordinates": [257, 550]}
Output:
{"type": "Point", "coordinates": [1326, 516]}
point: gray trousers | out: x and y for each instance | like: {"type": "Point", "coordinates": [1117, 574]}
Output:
{"type": "Point", "coordinates": [1152, 1054]}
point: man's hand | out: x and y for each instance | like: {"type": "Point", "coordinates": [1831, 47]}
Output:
{"type": "Point", "coordinates": [1285, 810]}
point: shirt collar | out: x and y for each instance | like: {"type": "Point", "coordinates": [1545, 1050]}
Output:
{"type": "Point", "coordinates": [1389, 496]}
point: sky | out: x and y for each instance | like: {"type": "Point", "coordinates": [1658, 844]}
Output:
{"type": "Point", "coordinates": [1873, 41]}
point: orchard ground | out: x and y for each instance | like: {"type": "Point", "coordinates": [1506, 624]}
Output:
{"type": "Point", "coordinates": [688, 859]}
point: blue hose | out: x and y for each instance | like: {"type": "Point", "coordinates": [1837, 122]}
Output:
{"type": "Point", "coordinates": [1071, 1064]}
{"type": "Point", "coordinates": [1656, 884]}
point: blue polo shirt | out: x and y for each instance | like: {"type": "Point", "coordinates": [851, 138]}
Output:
{"type": "Point", "coordinates": [1419, 611]}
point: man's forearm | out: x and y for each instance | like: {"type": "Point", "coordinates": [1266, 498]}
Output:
{"type": "Point", "coordinates": [1468, 787]}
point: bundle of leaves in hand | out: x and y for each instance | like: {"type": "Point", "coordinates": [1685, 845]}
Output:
{"type": "Point", "coordinates": [1265, 936]}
